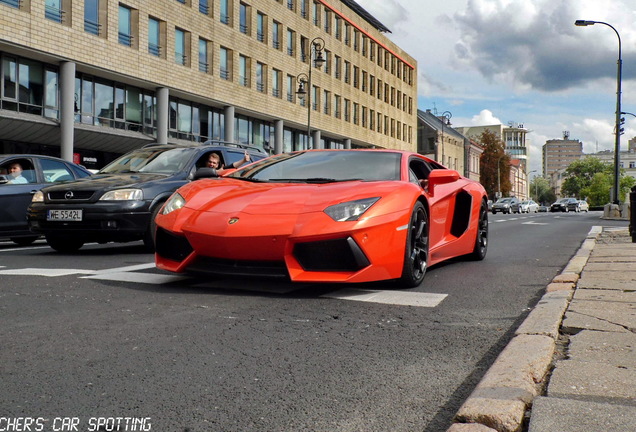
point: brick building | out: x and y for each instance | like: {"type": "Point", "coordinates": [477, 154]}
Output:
{"type": "Point", "coordinates": [93, 78]}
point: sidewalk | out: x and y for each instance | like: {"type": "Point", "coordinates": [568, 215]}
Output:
{"type": "Point", "coordinates": [571, 366]}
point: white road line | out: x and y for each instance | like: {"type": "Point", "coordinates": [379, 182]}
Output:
{"type": "Point", "coordinates": [403, 298]}
{"type": "Point", "coordinates": [126, 268]}
{"type": "Point", "coordinates": [23, 248]}
{"type": "Point", "coordinates": [45, 272]}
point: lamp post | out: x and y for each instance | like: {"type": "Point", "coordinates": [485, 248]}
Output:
{"type": "Point", "coordinates": [445, 118]}
{"type": "Point", "coordinates": [618, 130]}
{"type": "Point", "coordinates": [499, 175]}
{"type": "Point", "coordinates": [316, 46]}
{"type": "Point", "coordinates": [536, 194]}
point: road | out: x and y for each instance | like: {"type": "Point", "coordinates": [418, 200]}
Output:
{"type": "Point", "coordinates": [103, 334]}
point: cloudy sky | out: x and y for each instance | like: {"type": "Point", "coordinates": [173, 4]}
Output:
{"type": "Point", "coordinates": [521, 61]}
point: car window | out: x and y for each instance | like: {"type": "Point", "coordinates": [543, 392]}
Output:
{"type": "Point", "coordinates": [149, 160]}
{"type": "Point", "coordinates": [337, 165]}
{"type": "Point", "coordinates": [55, 171]}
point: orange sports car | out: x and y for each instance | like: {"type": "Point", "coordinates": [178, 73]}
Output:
{"type": "Point", "coordinates": [325, 216]}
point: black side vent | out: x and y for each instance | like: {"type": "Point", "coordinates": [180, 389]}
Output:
{"type": "Point", "coordinates": [461, 214]}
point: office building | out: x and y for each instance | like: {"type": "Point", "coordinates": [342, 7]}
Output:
{"type": "Point", "coordinates": [90, 79]}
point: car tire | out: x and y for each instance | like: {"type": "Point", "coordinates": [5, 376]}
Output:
{"type": "Point", "coordinates": [416, 248]}
{"type": "Point", "coordinates": [149, 236]}
{"type": "Point", "coordinates": [481, 239]}
{"type": "Point", "coordinates": [24, 241]}
{"type": "Point", "coordinates": [64, 244]}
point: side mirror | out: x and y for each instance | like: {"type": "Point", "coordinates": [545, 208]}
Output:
{"type": "Point", "coordinates": [204, 172]}
{"type": "Point", "coordinates": [441, 176]}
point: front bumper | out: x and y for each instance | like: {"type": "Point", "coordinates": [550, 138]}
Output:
{"type": "Point", "coordinates": [101, 222]}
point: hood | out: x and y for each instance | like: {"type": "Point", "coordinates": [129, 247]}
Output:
{"type": "Point", "coordinates": [110, 181]}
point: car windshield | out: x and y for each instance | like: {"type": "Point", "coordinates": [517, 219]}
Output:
{"type": "Point", "coordinates": [164, 161]}
{"type": "Point", "coordinates": [504, 200]}
{"type": "Point", "coordinates": [324, 167]}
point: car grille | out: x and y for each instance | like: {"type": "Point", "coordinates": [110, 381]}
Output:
{"type": "Point", "coordinates": [270, 269]}
{"type": "Point", "coordinates": [70, 195]}
{"type": "Point", "coordinates": [331, 255]}
{"type": "Point", "coordinates": [172, 247]}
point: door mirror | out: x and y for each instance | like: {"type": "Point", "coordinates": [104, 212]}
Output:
{"type": "Point", "coordinates": [441, 176]}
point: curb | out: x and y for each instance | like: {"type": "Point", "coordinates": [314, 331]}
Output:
{"type": "Point", "coordinates": [501, 399]}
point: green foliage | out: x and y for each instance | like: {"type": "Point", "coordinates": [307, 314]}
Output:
{"type": "Point", "coordinates": [592, 179]}
{"type": "Point", "coordinates": [494, 154]}
{"type": "Point", "coordinates": [541, 191]}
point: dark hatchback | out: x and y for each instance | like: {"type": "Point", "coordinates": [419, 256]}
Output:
{"type": "Point", "coordinates": [38, 171]}
{"type": "Point", "coordinates": [120, 202]}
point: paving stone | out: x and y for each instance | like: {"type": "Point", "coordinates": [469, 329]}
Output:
{"type": "Point", "coordinates": [615, 349]}
{"type": "Point", "coordinates": [575, 379]}
{"type": "Point", "coordinates": [470, 427]}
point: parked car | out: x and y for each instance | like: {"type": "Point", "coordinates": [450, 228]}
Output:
{"type": "Point", "coordinates": [584, 206]}
{"type": "Point", "coordinates": [543, 208]}
{"type": "Point", "coordinates": [565, 205]}
{"type": "Point", "coordinates": [120, 202]}
{"type": "Point", "coordinates": [344, 216]}
{"type": "Point", "coordinates": [504, 205]}
{"type": "Point", "coordinates": [527, 206]}
{"type": "Point", "coordinates": [37, 171]}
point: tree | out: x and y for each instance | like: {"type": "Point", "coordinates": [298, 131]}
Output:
{"type": "Point", "coordinates": [494, 162]}
{"type": "Point", "coordinates": [590, 178]}
{"type": "Point", "coordinates": [541, 191]}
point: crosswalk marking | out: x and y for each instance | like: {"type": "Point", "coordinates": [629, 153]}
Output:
{"type": "Point", "coordinates": [132, 274]}
{"type": "Point", "coordinates": [402, 298]}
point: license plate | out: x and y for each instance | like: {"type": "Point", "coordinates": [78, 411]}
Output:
{"type": "Point", "coordinates": [64, 215]}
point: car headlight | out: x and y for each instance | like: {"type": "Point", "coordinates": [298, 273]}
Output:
{"type": "Point", "coordinates": [123, 195]}
{"type": "Point", "coordinates": [175, 202]}
{"type": "Point", "coordinates": [351, 210]}
{"type": "Point", "coordinates": [37, 197]}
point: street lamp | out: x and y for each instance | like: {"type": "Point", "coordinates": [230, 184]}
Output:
{"type": "Point", "coordinates": [536, 194]}
{"type": "Point", "coordinates": [316, 46]}
{"type": "Point", "coordinates": [618, 130]}
{"type": "Point", "coordinates": [445, 118]}
{"type": "Point", "coordinates": [499, 175]}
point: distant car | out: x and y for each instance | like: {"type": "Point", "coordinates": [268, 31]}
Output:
{"type": "Point", "coordinates": [120, 202]}
{"type": "Point", "coordinates": [504, 205]}
{"type": "Point", "coordinates": [38, 171]}
{"type": "Point", "coordinates": [565, 205]}
{"type": "Point", "coordinates": [542, 208]}
{"type": "Point", "coordinates": [584, 206]}
{"type": "Point", "coordinates": [527, 206]}
{"type": "Point", "coordinates": [335, 216]}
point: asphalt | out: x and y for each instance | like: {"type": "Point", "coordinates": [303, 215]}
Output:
{"type": "Point", "coordinates": [571, 366]}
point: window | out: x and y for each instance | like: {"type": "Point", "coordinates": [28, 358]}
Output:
{"type": "Point", "coordinates": [204, 55]}
{"type": "Point", "coordinates": [338, 66]}
{"type": "Point", "coordinates": [244, 71]}
{"type": "Point", "coordinates": [347, 72]}
{"type": "Point", "coordinates": [291, 5]}
{"type": "Point", "coordinates": [304, 49]}
{"type": "Point", "coordinates": [180, 47]}
{"type": "Point", "coordinates": [244, 18]}
{"type": "Point", "coordinates": [276, 83]}
{"type": "Point", "coordinates": [276, 26]}
{"type": "Point", "coordinates": [316, 14]}
{"type": "Point", "coordinates": [204, 7]}
{"type": "Point", "coordinates": [347, 109]}
{"type": "Point", "coordinates": [356, 74]}
{"type": "Point", "coordinates": [327, 20]}
{"type": "Point", "coordinates": [225, 9]}
{"type": "Point", "coordinates": [14, 3]}
{"type": "Point", "coordinates": [291, 42]}
{"type": "Point", "coordinates": [53, 10]}
{"type": "Point", "coordinates": [225, 63]}
{"type": "Point", "coordinates": [260, 77]}
{"type": "Point", "coordinates": [304, 12]}
{"type": "Point", "coordinates": [338, 27]}
{"type": "Point", "coordinates": [261, 30]}
{"type": "Point", "coordinates": [315, 94]}
{"type": "Point", "coordinates": [336, 106]}
{"type": "Point", "coordinates": [327, 57]}
{"type": "Point", "coordinates": [125, 35]}
{"type": "Point", "coordinates": [291, 89]}
{"type": "Point", "coordinates": [326, 101]}
{"type": "Point", "coordinates": [92, 17]}
{"type": "Point", "coordinates": [154, 36]}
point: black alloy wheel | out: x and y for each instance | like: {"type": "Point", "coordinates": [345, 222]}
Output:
{"type": "Point", "coordinates": [416, 250]}
{"type": "Point", "coordinates": [481, 240]}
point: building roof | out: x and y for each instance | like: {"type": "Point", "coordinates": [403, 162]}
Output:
{"type": "Point", "coordinates": [435, 123]}
{"type": "Point", "coordinates": [366, 16]}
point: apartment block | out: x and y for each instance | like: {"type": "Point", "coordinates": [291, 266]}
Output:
{"type": "Point", "coordinates": [90, 79]}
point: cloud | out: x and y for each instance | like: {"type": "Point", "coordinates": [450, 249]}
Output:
{"type": "Point", "coordinates": [485, 117]}
{"type": "Point", "coordinates": [389, 12]}
{"type": "Point", "coordinates": [534, 44]}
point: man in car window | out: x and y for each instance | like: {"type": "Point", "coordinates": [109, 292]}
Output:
{"type": "Point", "coordinates": [15, 174]}
{"type": "Point", "coordinates": [214, 161]}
